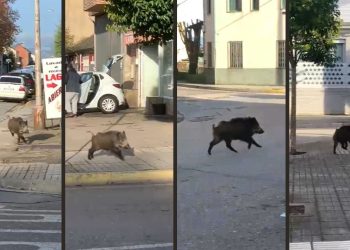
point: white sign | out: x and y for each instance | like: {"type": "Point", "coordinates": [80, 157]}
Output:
{"type": "Point", "coordinates": [52, 87]}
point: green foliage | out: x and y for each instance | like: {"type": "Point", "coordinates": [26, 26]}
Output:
{"type": "Point", "coordinates": [314, 24]}
{"type": "Point", "coordinates": [9, 28]}
{"type": "Point", "coordinates": [152, 20]}
{"type": "Point", "coordinates": [58, 41]}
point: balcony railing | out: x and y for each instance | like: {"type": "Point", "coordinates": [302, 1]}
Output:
{"type": "Point", "coordinates": [95, 6]}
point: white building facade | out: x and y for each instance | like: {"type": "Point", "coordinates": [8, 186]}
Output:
{"type": "Point", "coordinates": [244, 41]}
{"type": "Point", "coordinates": [326, 90]}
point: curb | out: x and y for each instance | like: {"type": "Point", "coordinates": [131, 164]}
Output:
{"type": "Point", "coordinates": [108, 178]}
{"type": "Point", "coordinates": [256, 89]}
{"type": "Point", "coordinates": [45, 187]}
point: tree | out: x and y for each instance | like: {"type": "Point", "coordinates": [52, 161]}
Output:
{"type": "Point", "coordinates": [313, 26]}
{"type": "Point", "coordinates": [8, 27]}
{"type": "Point", "coordinates": [150, 21]}
{"type": "Point", "coordinates": [58, 41]}
{"type": "Point", "coordinates": [190, 36]}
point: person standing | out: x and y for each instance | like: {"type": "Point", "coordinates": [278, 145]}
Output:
{"type": "Point", "coordinates": [73, 82]}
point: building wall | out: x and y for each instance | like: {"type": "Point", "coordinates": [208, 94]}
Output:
{"type": "Point", "coordinates": [261, 31]}
{"type": "Point", "coordinates": [107, 44]}
{"type": "Point", "coordinates": [23, 55]}
{"type": "Point", "coordinates": [149, 73]}
{"type": "Point", "coordinates": [77, 20]}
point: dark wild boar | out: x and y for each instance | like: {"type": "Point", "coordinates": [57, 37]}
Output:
{"type": "Point", "coordinates": [112, 141]}
{"type": "Point", "coordinates": [241, 129]}
{"type": "Point", "coordinates": [342, 136]}
{"type": "Point", "coordinates": [18, 126]}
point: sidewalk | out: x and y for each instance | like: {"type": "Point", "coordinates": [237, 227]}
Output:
{"type": "Point", "coordinates": [150, 161]}
{"type": "Point", "coordinates": [237, 88]}
{"type": "Point", "coordinates": [320, 181]}
{"type": "Point", "coordinates": [35, 166]}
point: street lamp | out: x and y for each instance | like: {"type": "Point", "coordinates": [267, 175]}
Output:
{"type": "Point", "coordinates": [39, 114]}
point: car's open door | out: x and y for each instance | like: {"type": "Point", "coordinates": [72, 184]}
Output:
{"type": "Point", "coordinates": [86, 79]}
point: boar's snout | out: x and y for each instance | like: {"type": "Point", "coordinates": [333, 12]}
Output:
{"type": "Point", "coordinates": [260, 131]}
{"type": "Point", "coordinates": [24, 130]}
{"type": "Point", "coordinates": [127, 146]}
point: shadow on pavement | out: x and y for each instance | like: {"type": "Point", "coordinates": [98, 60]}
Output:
{"type": "Point", "coordinates": [39, 137]}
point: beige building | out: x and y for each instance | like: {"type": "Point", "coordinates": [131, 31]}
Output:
{"type": "Point", "coordinates": [78, 21]}
{"type": "Point", "coordinates": [80, 27]}
{"type": "Point", "coordinates": [244, 41]}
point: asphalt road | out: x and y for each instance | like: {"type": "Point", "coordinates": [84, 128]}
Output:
{"type": "Point", "coordinates": [119, 217]}
{"type": "Point", "coordinates": [230, 200]}
{"type": "Point", "coordinates": [29, 221]}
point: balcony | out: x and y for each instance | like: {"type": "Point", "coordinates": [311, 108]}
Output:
{"type": "Point", "coordinates": [94, 6]}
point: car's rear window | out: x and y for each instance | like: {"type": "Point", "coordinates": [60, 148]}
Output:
{"type": "Point", "coordinates": [10, 79]}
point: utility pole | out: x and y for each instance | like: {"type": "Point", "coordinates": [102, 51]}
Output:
{"type": "Point", "coordinates": [39, 114]}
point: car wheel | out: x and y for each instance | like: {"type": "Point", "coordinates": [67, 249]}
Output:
{"type": "Point", "coordinates": [108, 104]}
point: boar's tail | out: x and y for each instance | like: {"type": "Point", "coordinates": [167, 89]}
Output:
{"type": "Point", "coordinates": [91, 133]}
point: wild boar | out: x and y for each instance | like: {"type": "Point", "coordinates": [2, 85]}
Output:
{"type": "Point", "coordinates": [18, 126]}
{"type": "Point", "coordinates": [342, 136]}
{"type": "Point", "coordinates": [112, 141]}
{"type": "Point", "coordinates": [236, 129]}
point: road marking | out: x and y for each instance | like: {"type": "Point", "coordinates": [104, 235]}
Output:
{"type": "Point", "coordinates": [41, 245]}
{"type": "Point", "coordinates": [29, 210]}
{"type": "Point", "coordinates": [150, 246]}
{"type": "Point", "coordinates": [300, 246]}
{"type": "Point", "coordinates": [30, 231]}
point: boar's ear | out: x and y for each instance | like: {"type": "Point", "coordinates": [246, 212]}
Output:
{"type": "Point", "coordinates": [124, 132]}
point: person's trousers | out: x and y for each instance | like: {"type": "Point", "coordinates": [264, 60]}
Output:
{"type": "Point", "coordinates": [72, 99]}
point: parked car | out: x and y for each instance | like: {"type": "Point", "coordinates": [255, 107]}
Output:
{"type": "Point", "coordinates": [25, 70]}
{"type": "Point", "coordinates": [13, 87]}
{"type": "Point", "coordinates": [28, 78]}
{"type": "Point", "coordinates": [100, 91]}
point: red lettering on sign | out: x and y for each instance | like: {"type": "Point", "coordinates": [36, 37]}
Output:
{"type": "Point", "coordinates": [55, 94]}
{"type": "Point", "coordinates": [53, 77]}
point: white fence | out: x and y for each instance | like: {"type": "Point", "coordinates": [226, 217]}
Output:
{"type": "Point", "coordinates": [310, 75]}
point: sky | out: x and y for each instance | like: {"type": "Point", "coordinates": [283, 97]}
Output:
{"type": "Point", "coordinates": [344, 6]}
{"type": "Point", "coordinates": [50, 18]}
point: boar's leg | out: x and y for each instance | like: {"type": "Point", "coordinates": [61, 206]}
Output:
{"type": "Point", "coordinates": [118, 153]}
{"type": "Point", "coordinates": [23, 139]}
{"type": "Point", "coordinates": [91, 153]}
{"type": "Point", "coordinates": [213, 143]}
{"type": "Point", "coordinates": [251, 141]}
{"type": "Point", "coordinates": [335, 147]}
{"type": "Point", "coordinates": [344, 145]}
{"type": "Point", "coordinates": [228, 145]}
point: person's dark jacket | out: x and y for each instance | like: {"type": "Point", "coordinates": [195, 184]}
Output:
{"type": "Point", "coordinates": [73, 81]}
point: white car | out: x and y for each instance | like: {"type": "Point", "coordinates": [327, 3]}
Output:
{"type": "Point", "coordinates": [13, 87]}
{"type": "Point", "coordinates": [100, 91]}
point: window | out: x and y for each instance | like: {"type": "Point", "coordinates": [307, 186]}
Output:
{"type": "Point", "coordinates": [209, 7]}
{"type": "Point", "coordinates": [339, 51]}
{"type": "Point", "coordinates": [281, 49]}
{"type": "Point", "coordinates": [235, 54]}
{"type": "Point", "coordinates": [255, 4]}
{"type": "Point", "coordinates": [283, 4]}
{"type": "Point", "coordinates": [234, 5]}
{"type": "Point", "coordinates": [210, 54]}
